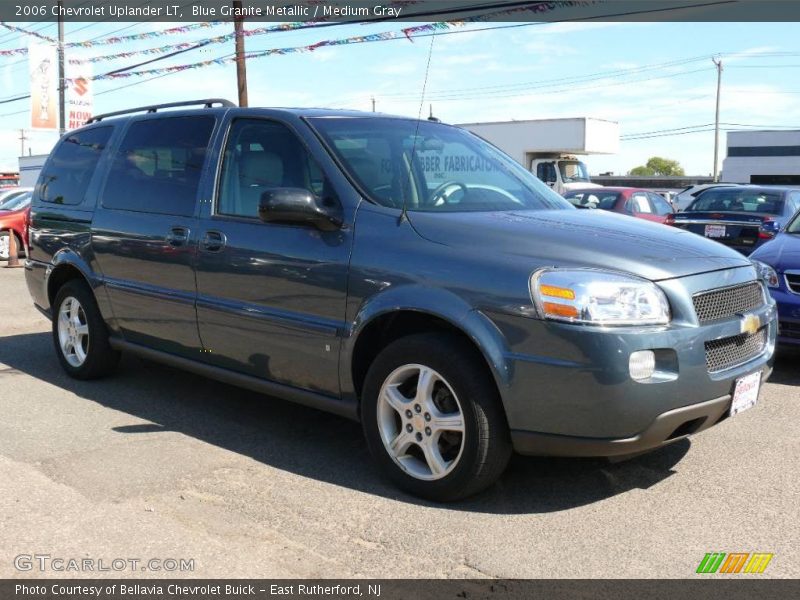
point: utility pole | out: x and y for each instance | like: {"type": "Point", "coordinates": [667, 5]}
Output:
{"type": "Point", "coordinates": [241, 67]}
{"type": "Point", "coordinates": [22, 139]}
{"type": "Point", "coordinates": [718, 63]}
{"type": "Point", "coordinates": [61, 80]}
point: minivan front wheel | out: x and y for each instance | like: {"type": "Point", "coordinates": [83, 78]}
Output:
{"type": "Point", "coordinates": [431, 415]}
{"type": "Point", "coordinates": [80, 335]}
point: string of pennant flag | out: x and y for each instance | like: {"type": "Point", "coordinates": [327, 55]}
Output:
{"type": "Point", "coordinates": [407, 33]}
{"type": "Point", "coordinates": [105, 41]}
{"type": "Point", "coordinates": [146, 35]}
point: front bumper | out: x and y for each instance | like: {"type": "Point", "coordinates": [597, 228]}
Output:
{"type": "Point", "coordinates": [788, 316]}
{"type": "Point", "coordinates": [665, 429]}
{"type": "Point", "coordinates": [570, 393]}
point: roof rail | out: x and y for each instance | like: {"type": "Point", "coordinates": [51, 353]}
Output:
{"type": "Point", "coordinates": [207, 103]}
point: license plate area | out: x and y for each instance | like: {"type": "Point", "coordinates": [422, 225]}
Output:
{"type": "Point", "coordinates": [715, 231]}
{"type": "Point", "coordinates": [745, 393]}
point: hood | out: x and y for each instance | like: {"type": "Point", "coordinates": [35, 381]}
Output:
{"type": "Point", "coordinates": [781, 253]}
{"type": "Point", "coordinates": [587, 238]}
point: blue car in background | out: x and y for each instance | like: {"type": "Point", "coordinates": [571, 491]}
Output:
{"type": "Point", "coordinates": [779, 262]}
{"type": "Point", "coordinates": [742, 217]}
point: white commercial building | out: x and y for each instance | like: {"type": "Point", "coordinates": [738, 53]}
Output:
{"type": "Point", "coordinates": [29, 167]}
{"type": "Point", "coordinates": [764, 157]}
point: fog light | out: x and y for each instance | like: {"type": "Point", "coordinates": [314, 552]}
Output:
{"type": "Point", "coordinates": [642, 364]}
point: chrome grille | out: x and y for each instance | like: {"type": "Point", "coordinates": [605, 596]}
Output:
{"type": "Point", "coordinates": [728, 302]}
{"type": "Point", "coordinates": [730, 352]}
{"type": "Point", "coordinates": [789, 329]}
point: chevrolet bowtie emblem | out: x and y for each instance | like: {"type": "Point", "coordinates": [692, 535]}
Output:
{"type": "Point", "coordinates": [750, 324]}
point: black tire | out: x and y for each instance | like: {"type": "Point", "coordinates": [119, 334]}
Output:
{"type": "Point", "coordinates": [485, 442]}
{"type": "Point", "coordinates": [100, 358]}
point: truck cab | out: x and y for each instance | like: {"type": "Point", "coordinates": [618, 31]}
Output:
{"type": "Point", "coordinates": [562, 173]}
{"type": "Point", "coordinates": [549, 148]}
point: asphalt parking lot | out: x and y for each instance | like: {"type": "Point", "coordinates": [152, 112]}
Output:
{"type": "Point", "coordinates": [158, 463]}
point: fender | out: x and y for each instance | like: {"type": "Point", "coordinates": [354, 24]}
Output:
{"type": "Point", "coordinates": [435, 302]}
{"type": "Point", "coordinates": [68, 257]}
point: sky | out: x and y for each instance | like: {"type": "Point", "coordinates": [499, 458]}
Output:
{"type": "Point", "coordinates": [648, 77]}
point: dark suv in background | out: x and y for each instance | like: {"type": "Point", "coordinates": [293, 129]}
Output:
{"type": "Point", "coordinates": [400, 272]}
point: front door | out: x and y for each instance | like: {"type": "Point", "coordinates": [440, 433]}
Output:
{"type": "Point", "coordinates": [145, 231]}
{"type": "Point", "coordinates": [271, 297]}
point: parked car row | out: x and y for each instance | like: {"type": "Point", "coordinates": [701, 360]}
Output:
{"type": "Point", "coordinates": [15, 210]}
{"type": "Point", "coordinates": [742, 217]}
{"type": "Point", "coordinates": [636, 202]}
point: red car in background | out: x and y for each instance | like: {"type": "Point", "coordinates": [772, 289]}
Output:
{"type": "Point", "coordinates": [14, 215]}
{"type": "Point", "coordinates": [635, 202]}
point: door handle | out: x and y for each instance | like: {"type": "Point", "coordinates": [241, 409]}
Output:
{"type": "Point", "coordinates": [213, 241]}
{"type": "Point", "coordinates": [178, 236]}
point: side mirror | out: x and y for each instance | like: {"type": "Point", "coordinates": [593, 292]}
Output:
{"type": "Point", "coordinates": [299, 206]}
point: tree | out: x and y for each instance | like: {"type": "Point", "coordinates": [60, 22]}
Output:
{"type": "Point", "coordinates": [658, 166]}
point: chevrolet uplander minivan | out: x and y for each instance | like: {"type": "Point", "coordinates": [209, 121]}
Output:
{"type": "Point", "coordinates": [403, 273]}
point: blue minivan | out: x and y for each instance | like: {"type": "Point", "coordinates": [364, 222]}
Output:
{"type": "Point", "coordinates": [399, 272]}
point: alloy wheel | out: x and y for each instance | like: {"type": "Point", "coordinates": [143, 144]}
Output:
{"type": "Point", "coordinates": [421, 422]}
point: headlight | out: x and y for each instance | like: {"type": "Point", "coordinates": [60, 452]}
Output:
{"type": "Point", "coordinates": [766, 273]}
{"type": "Point", "coordinates": [598, 297]}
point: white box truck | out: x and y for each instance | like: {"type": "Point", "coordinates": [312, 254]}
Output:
{"type": "Point", "coordinates": [29, 167]}
{"type": "Point", "coordinates": [550, 148]}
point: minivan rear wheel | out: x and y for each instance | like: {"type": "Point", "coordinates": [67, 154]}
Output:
{"type": "Point", "coordinates": [432, 418]}
{"type": "Point", "coordinates": [80, 335]}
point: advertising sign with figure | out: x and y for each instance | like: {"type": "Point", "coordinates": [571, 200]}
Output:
{"type": "Point", "coordinates": [43, 69]}
{"type": "Point", "coordinates": [79, 95]}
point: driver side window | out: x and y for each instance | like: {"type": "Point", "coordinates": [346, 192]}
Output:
{"type": "Point", "coordinates": [261, 155]}
{"type": "Point", "coordinates": [546, 172]}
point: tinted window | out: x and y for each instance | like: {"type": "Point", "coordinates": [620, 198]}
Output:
{"type": "Point", "coordinates": [546, 172]}
{"type": "Point", "coordinates": [66, 175]}
{"type": "Point", "coordinates": [157, 167]}
{"type": "Point", "coordinates": [261, 155]}
{"type": "Point", "coordinates": [738, 200]}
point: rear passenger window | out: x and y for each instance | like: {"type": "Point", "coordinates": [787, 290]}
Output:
{"type": "Point", "coordinates": [66, 175]}
{"type": "Point", "coordinates": [158, 165]}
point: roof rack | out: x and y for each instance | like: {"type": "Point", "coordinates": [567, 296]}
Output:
{"type": "Point", "coordinates": [207, 103]}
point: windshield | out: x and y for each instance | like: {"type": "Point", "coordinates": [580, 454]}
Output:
{"type": "Point", "coordinates": [573, 171]}
{"type": "Point", "coordinates": [738, 200]}
{"type": "Point", "coordinates": [18, 202]}
{"type": "Point", "coordinates": [427, 166]}
{"type": "Point", "coordinates": [9, 195]}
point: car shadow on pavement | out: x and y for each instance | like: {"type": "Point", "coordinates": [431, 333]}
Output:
{"type": "Point", "coordinates": [314, 444]}
{"type": "Point", "coordinates": [786, 360]}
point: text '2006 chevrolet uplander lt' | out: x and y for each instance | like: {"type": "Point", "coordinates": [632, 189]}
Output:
{"type": "Point", "coordinates": [400, 272]}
